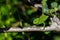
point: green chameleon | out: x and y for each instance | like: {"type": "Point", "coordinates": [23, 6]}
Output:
{"type": "Point", "coordinates": [40, 20]}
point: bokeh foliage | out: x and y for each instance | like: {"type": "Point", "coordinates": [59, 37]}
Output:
{"type": "Point", "coordinates": [12, 12]}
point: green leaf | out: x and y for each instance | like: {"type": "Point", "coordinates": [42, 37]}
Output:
{"type": "Point", "coordinates": [54, 4]}
{"type": "Point", "coordinates": [1, 25]}
{"type": "Point", "coordinates": [44, 2]}
{"type": "Point", "coordinates": [19, 36]}
{"type": "Point", "coordinates": [45, 9]}
{"type": "Point", "coordinates": [47, 33]}
{"type": "Point", "coordinates": [4, 10]}
{"type": "Point", "coordinates": [30, 11]}
{"type": "Point", "coordinates": [15, 1]}
{"type": "Point", "coordinates": [40, 20]}
{"type": "Point", "coordinates": [12, 19]}
{"type": "Point", "coordinates": [8, 36]}
{"type": "Point", "coordinates": [2, 36]}
{"type": "Point", "coordinates": [8, 21]}
{"type": "Point", "coordinates": [26, 24]}
{"type": "Point", "coordinates": [56, 37]}
{"type": "Point", "coordinates": [14, 33]}
{"type": "Point", "coordinates": [9, 6]}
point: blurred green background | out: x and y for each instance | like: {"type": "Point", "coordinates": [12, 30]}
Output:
{"type": "Point", "coordinates": [19, 13]}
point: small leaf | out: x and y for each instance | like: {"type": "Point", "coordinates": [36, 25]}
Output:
{"type": "Point", "coordinates": [2, 36]}
{"type": "Point", "coordinates": [4, 10]}
{"type": "Point", "coordinates": [8, 6]}
{"type": "Point", "coordinates": [14, 33]}
{"type": "Point", "coordinates": [54, 4]}
{"type": "Point", "coordinates": [40, 20]}
{"type": "Point", "coordinates": [30, 11]}
{"type": "Point", "coordinates": [47, 33]}
{"type": "Point", "coordinates": [12, 19]}
{"type": "Point", "coordinates": [7, 22]}
{"type": "Point", "coordinates": [45, 9]}
{"type": "Point", "coordinates": [44, 2]}
{"type": "Point", "coordinates": [8, 36]}
{"type": "Point", "coordinates": [26, 24]}
{"type": "Point", "coordinates": [1, 24]}
{"type": "Point", "coordinates": [15, 1]}
{"type": "Point", "coordinates": [56, 37]}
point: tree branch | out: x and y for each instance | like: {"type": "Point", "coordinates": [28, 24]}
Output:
{"type": "Point", "coordinates": [33, 29]}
